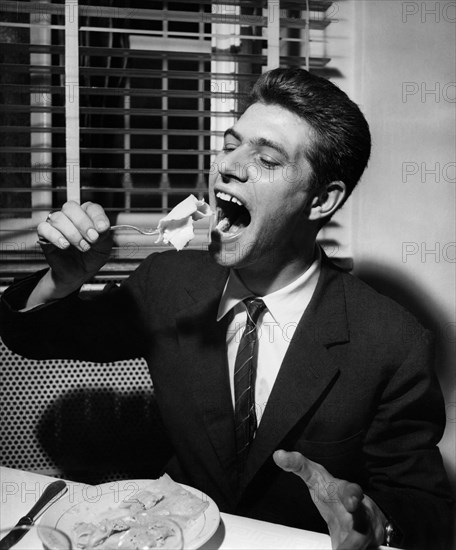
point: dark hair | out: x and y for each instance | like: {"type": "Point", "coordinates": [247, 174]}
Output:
{"type": "Point", "coordinates": [341, 145]}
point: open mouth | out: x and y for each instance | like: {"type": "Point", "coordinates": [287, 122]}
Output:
{"type": "Point", "coordinates": [232, 215]}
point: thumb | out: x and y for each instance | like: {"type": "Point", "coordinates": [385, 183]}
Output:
{"type": "Point", "coordinates": [294, 462]}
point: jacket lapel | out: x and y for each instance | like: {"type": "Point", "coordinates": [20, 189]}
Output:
{"type": "Point", "coordinates": [307, 371]}
{"type": "Point", "coordinates": [203, 341]}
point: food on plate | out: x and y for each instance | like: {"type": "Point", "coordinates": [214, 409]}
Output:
{"type": "Point", "coordinates": [139, 522]}
{"type": "Point", "coordinates": [177, 226]}
{"type": "Point", "coordinates": [154, 532]}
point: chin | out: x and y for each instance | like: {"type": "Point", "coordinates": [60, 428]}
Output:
{"type": "Point", "coordinates": [235, 254]}
{"type": "Point", "coordinates": [223, 257]}
{"type": "Point", "coordinates": [225, 254]}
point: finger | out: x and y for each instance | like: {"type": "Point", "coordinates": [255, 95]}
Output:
{"type": "Point", "coordinates": [356, 541]}
{"type": "Point", "coordinates": [62, 223]}
{"type": "Point", "coordinates": [98, 216]}
{"type": "Point", "coordinates": [361, 521]}
{"type": "Point", "coordinates": [351, 495]}
{"type": "Point", "coordinates": [49, 234]}
{"type": "Point", "coordinates": [81, 220]}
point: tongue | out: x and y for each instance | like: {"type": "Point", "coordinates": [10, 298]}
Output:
{"type": "Point", "coordinates": [237, 225]}
{"type": "Point", "coordinates": [225, 226]}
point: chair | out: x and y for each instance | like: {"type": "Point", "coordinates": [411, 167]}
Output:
{"type": "Point", "coordinates": [83, 421]}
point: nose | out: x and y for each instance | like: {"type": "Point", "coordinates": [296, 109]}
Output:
{"type": "Point", "coordinates": [232, 166]}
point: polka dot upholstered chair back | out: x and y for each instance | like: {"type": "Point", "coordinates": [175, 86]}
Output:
{"type": "Point", "coordinates": [83, 421]}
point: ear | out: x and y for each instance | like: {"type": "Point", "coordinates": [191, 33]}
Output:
{"type": "Point", "coordinates": [327, 201]}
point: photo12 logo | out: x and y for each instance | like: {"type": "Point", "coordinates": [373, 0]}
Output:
{"type": "Point", "coordinates": [42, 11]}
{"type": "Point", "coordinates": [427, 172]}
{"type": "Point", "coordinates": [435, 252]}
{"type": "Point", "coordinates": [428, 12]}
{"type": "Point", "coordinates": [230, 13]}
{"type": "Point", "coordinates": [425, 92]}
{"type": "Point", "coordinates": [20, 251]}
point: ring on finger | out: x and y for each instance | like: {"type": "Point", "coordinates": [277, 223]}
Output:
{"type": "Point", "coordinates": [48, 218]}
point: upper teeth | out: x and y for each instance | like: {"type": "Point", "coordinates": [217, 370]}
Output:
{"type": "Point", "coordinates": [227, 197]}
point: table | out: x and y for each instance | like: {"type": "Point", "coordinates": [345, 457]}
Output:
{"type": "Point", "coordinates": [21, 489]}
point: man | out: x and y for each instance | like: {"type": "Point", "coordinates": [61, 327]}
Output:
{"type": "Point", "coordinates": [345, 400]}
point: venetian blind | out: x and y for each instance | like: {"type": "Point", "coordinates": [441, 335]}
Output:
{"type": "Point", "coordinates": [125, 103]}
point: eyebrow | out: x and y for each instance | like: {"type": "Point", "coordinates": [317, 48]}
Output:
{"type": "Point", "coordinates": [262, 142]}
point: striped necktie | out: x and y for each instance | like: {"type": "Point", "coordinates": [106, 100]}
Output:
{"type": "Point", "coordinates": [244, 382]}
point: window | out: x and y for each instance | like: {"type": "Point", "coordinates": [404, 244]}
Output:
{"type": "Point", "coordinates": [125, 103]}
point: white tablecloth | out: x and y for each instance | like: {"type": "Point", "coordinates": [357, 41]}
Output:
{"type": "Point", "coordinates": [21, 489]}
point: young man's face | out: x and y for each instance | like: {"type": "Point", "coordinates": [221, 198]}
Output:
{"type": "Point", "coordinates": [259, 188]}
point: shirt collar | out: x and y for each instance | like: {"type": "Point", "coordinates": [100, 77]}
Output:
{"type": "Point", "coordinates": [234, 292]}
{"type": "Point", "coordinates": [283, 303]}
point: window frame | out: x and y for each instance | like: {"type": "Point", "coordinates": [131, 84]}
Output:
{"type": "Point", "coordinates": [228, 28]}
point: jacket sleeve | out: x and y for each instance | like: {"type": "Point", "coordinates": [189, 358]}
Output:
{"type": "Point", "coordinates": [407, 476]}
{"type": "Point", "coordinates": [105, 328]}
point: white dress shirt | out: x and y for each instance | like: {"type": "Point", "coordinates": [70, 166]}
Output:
{"type": "Point", "coordinates": [275, 326]}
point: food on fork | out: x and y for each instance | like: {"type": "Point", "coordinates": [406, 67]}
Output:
{"type": "Point", "coordinates": [177, 226]}
{"type": "Point", "coordinates": [140, 520]}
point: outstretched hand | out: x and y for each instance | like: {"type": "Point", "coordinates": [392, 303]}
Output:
{"type": "Point", "coordinates": [354, 520]}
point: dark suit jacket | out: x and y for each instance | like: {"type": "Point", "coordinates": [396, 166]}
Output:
{"type": "Point", "coordinates": [356, 391]}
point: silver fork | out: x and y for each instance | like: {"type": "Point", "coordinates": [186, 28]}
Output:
{"type": "Point", "coordinates": [138, 229]}
{"type": "Point", "coordinates": [41, 240]}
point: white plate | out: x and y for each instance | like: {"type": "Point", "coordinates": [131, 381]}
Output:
{"type": "Point", "coordinates": [84, 503]}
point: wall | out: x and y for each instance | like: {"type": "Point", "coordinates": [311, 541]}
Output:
{"type": "Point", "coordinates": [398, 62]}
